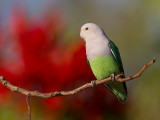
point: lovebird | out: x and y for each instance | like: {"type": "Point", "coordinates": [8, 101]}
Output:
{"type": "Point", "coordinates": [104, 58]}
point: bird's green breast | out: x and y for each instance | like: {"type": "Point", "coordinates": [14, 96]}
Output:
{"type": "Point", "coordinates": [103, 67]}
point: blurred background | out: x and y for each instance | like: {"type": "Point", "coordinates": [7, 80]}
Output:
{"type": "Point", "coordinates": [40, 49]}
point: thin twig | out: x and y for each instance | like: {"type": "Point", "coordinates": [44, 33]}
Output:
{"type": "Point", "coordinates": [72, 92]}
{"type": "Point", "coordinates": [29, 107]}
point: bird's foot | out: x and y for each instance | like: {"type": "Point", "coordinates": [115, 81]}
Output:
{"type": "Point", "coordinates": [93, 83]}
{"type": "Point", "coordinates": [113, 77]}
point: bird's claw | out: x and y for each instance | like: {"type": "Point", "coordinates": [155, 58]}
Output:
{"type": "Point", "coordinates": [93, 83]}
{"type": "Point", "coordinates": [113, 77]}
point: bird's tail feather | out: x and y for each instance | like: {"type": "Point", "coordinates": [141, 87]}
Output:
{"type": "Point", "coordinates": [119, 89]}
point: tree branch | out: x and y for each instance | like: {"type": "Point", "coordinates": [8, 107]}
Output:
{"type": "Point", "coordinates": [29, 107]}
{"type": "Point", "coordinates": [72, 92]}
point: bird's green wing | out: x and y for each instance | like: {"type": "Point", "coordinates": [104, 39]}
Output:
{"type": "Point", "coordinates": [116, 87]}
{"type": "Point", "coordinates": [116, 55]}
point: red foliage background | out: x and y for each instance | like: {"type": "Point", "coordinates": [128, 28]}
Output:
{"type": "Point", "coordinates": [33, 56]}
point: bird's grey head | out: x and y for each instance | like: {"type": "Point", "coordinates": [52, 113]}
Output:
{"type": "Point", "coordinates": [90, 31]}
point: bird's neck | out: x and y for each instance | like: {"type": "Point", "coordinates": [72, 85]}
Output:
{"type": "Point", "coordinates": [97, 48]}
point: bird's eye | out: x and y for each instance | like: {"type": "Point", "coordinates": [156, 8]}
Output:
{"type": "Point", "coordinates": [86, 28]}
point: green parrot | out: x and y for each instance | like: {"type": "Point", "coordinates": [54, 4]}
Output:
{"type": "Point", "coordinates": [104, 58]}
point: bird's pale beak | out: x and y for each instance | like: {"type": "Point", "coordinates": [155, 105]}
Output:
{"type": "Point", "coordinates": [82, 34]}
